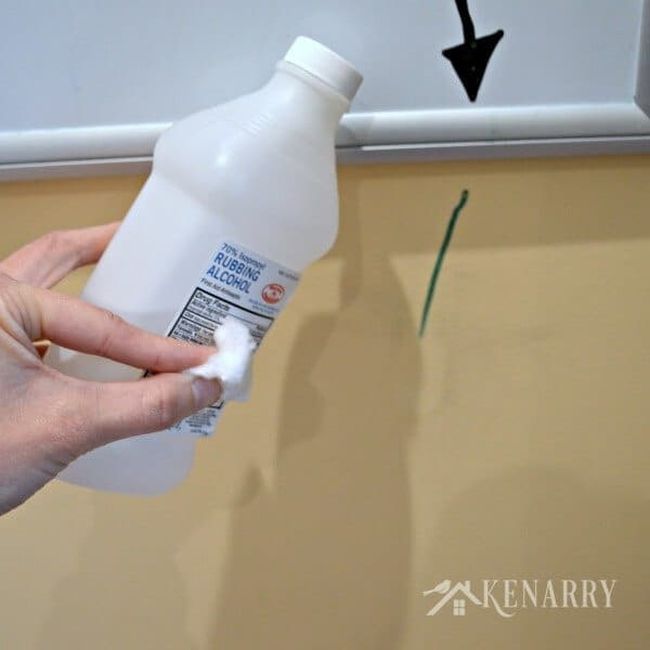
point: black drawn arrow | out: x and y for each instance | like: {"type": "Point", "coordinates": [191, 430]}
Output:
{"type": "Point", "coordinates": [470, 59]}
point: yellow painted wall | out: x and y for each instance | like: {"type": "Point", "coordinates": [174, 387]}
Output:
{"type": "Point", "coordinates": [510, 442]}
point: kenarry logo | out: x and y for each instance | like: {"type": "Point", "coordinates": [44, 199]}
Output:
{"type": "Point", "coordinates": [507, 596]}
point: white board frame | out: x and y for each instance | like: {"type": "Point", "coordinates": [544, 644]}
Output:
{"type": "Point", "coordinates": [393, 136]}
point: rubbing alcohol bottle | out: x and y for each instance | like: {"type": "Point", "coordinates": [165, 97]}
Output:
{"type": "Point", "coordinates": [241, 199]}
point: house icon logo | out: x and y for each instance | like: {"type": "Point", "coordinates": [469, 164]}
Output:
{"type": "Point", "coordinates": [459, 594]}
{"type": "Point", "coordinates": [507, 596]}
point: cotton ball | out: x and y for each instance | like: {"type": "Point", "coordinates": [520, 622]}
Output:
{"type": "Point", "coordinates": [230, 364]}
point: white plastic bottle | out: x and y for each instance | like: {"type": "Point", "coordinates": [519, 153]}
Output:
{"type": "Point", "coordinates": [241, 198]}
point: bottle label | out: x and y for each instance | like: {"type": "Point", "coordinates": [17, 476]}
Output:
{"type": "Point", "coordinates": [236, 282]}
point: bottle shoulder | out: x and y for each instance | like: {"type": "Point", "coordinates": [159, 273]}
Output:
{"type": "Point", "coordinates": [259, 183]}
{"type": "Point", "coordinates": [217, 154]}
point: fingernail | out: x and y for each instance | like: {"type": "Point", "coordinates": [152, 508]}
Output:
{"type": "Point", "coordinates": [206, 391]}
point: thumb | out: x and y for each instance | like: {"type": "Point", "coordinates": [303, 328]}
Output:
{"type": "Point", "coordinates": [123, 409]}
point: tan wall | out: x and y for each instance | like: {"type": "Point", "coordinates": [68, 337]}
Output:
{"type": "Point", "coordinates": [510, 442]}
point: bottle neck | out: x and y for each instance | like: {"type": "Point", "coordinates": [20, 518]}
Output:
{"type": "Point", "coordinates": [311, 103]}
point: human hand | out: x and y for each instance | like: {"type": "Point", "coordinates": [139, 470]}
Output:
{"type": "Point", "coordinates": [48, 419]}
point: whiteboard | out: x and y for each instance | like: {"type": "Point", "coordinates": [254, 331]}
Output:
{"type": "Point", "coordinates": [84, 80]}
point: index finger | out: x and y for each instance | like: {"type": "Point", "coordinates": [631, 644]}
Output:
{"type": "Point", "coordinates": [77, 325]}
{"type": "Point", "coordinates": [50, 258]}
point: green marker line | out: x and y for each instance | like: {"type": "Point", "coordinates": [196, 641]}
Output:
{"type": "Point", "coordinates": [441, 256]}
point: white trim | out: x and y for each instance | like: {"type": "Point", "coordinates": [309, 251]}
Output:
{"type": "Point", "coordinates": [397, 136]}
{"type": "Point", "coordinates": [642, 92]}
{"type": "Point", "coordinates": [75, 168]}
{"type": "Point", "coordinates": [79, 143]}
{"type": "Point", "coordinates": [423, 152]}
{"type": "Point", "coordinates": [490, 124]}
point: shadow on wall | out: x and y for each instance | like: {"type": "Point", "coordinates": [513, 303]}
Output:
{"type": "Point", "coordinates": [126, 590]}
{"type": "Point", "coordinates": [321, 562]}
{"type": "Point", "coordinates": [324, 561]}
{"type": "Point", "coordinates": [537, 522]}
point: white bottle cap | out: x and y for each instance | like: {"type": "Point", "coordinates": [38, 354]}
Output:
{"type": "Point", "coordinates": [328, 66]}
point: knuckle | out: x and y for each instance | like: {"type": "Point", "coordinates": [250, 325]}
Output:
{"type": "Point", "coordinates": [5, 279]}
{"type": "Point", "coordinates": [54, 240]}
{"type": "Point", "coordinates": [113, 319]}
{"type": "Point", "coordinates": [157, 359]}
{"type": "Point", "coordinates": [18, 315]}
{"type": "Point", "coordinates": [114, 325]}
{"type": "Point", "coordinates": [77, 420]}
{"type": "Point", "coordinates": [160, 407]}
{"type": "Point", "coordinates": [62, 244]}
